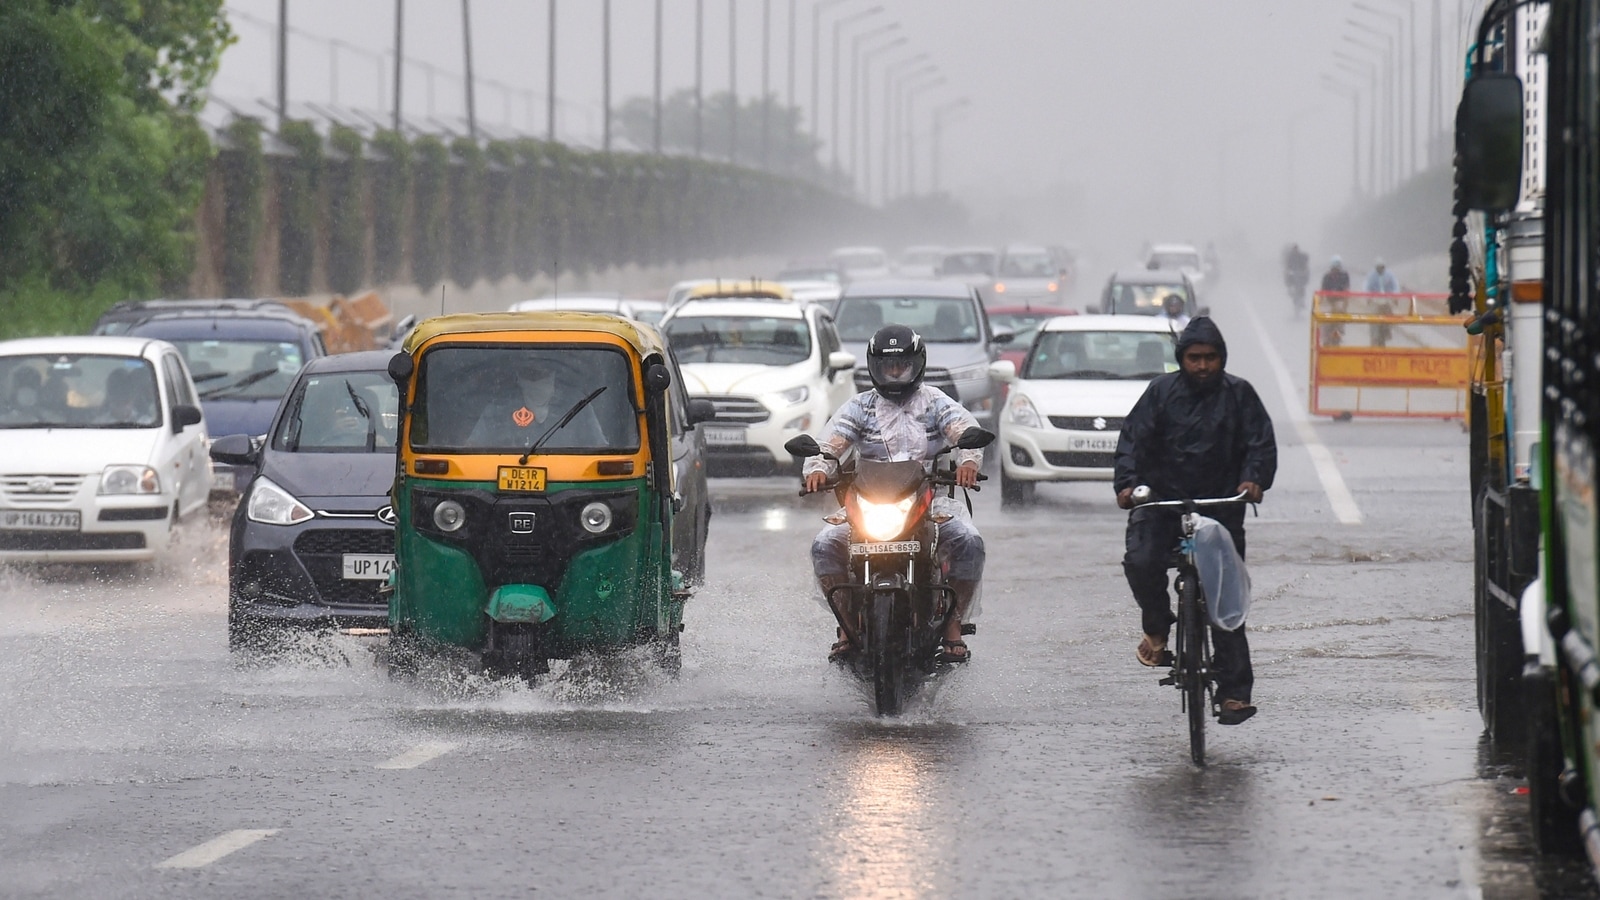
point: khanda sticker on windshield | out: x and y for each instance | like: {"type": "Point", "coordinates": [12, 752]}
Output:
{"type": "Point", "coordinates": [523, 417]}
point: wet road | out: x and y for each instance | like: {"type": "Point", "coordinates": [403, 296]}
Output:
{"type": "Point", "coordinates": [137, 759]}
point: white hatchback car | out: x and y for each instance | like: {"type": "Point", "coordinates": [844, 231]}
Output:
{"type": "Point", "coordinates": [102, 448]}
{"type": "Point", "coordinates": [771, 365]}
{"type": "Point", "coordinates": [1065, 408]}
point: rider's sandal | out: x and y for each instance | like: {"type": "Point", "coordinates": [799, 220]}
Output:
{"type": "Point", "coordinates": [840, 649]}
{"type": "Point", "coordinates": [1150, 654]}
{"type": "Point", "coordinates": [946, 656]}
{"type": "Point", "coordinates": [1233, 712]}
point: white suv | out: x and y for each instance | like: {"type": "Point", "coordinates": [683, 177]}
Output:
{"type": "Point", "coordinates": [771, 365]}
{"type": "Point", "coordinates": [105, 447]}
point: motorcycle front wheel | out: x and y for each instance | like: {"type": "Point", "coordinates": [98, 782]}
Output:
{"type": "Point", "coordinates": [886, 639]}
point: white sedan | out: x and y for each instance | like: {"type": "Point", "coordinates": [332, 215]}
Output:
{"type": "Point", "coordinates": [104, 448]}
{"type": "Point", "coordinates": [1065, 408]}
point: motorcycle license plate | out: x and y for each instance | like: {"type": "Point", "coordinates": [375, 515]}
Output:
{"type": "Point", "coordinates": [63, 520]}
{"type": "Point", "coordinates": [368, 566]}
{"type": "Point", "coordinates": [523, 479]}
{"type": "Point", "coordinates": [874, 548]}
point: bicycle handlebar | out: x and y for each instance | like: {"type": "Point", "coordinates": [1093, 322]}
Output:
{"type": "Point", "coordinates": [1210, 501]}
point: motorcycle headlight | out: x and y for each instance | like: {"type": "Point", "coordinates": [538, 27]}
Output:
{"type": "Point", "coordinates": [884, 521]}
{"type": "Point", "coordinates": [1022, 412]}
{"type": "Point", "coordinates": [272, 505]}
{"type": "Point", "coordinates": [130, 480]}
{"type": "Point", "coordinates": [794, 395]}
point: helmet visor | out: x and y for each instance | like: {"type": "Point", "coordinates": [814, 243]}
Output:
{"type": "Point", "coordinates": [894, 371]}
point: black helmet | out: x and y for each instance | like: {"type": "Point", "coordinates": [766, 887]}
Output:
{"type": "Point", "coordinates": [896, 344]}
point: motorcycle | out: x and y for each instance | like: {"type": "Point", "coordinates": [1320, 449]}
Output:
{"type": "Point", "coordinates": [895, 604]}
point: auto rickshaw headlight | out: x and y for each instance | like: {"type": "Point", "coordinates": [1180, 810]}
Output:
{"type": "Point", "coordinates": [449, 516]}
{"type": "Point", "coordinates": [596, 517]}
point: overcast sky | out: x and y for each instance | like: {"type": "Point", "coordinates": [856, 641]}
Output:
{"type": "Point", "coordinates": [1131, 119]}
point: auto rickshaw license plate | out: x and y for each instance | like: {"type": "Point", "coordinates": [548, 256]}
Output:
{"type": "Point", "coordinates": [523, 479]}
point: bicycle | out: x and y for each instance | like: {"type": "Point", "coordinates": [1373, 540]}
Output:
{"type": "Point", "coordinates": [1191, 664]}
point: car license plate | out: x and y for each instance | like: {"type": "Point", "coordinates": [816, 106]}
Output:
{"type": "Point", "coordinates": [524, 479]}
{"type": "Point", "coordinates": [39, 520]}
{"type": "Point", "coordinates": [724, 437]}
{"type": "Point", "coordinates": [1106, 443]}
{"type": "Point", "coordinates": [368, 566]}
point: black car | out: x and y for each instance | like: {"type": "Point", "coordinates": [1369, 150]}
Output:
{"type": "Point", "coordinates": [1141, 292]}
{"type": "Point", "coordinates": [313, 537]}
{"type": "Point", "coordinates": [242, 361]}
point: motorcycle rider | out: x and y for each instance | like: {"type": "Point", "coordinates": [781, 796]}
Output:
{"type": "Point", "coordinates": [902, 418]}
{"type": "Point", "coordinates": [1195, 433]}
{"type": "Point", "coordinates": [1296, 273]}
{"type": "Point", "coordinates": [1335, 281]}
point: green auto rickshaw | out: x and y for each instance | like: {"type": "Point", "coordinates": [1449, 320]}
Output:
{"type": "Point", "coordinates": [534, 489]}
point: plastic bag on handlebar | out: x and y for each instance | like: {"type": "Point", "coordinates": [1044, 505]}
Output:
{"type": "Point", "coordinates": [1222, 574]}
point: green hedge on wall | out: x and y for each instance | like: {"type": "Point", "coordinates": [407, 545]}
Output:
{"type": "Point", "coordinates": [430, 177]}
{"type": "Point", "coordinates": [347, 211]}
{"type": "Point", "coordinates": [299, 176]}
{"type": "Point", "coordinates": [243, 173]}
{"type": "Point", "coordinates": [466, 211]}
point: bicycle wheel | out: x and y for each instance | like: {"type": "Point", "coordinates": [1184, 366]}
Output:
{"type": "Point", "coordinates": [1192, 663]}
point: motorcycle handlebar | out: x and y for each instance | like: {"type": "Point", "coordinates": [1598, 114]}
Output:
{"type": "Point", "coordinates": [938, 480]}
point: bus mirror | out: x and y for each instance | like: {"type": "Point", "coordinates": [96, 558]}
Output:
{"type": "Point", "coordinates": [1489, 130]}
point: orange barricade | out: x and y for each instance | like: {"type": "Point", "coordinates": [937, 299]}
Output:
{"type": "Point", "coordinates": [1393, 355]}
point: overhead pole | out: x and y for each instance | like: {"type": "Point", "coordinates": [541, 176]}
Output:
{"type": "Point", "coordinates": [550, 78]}
{"type": "Point", "coordinates": [911, 130]}
{"type": "Point", "coordinates": [861, 126]}
{"type": "Point", "coordinates": [605, 62]}
{"type": "Point", "coordinates": [466, 47]}
{"type": "Point", "coordinates": [937, 152]}
{"type": "Point", "coordinates": [399, 58]}
{"type": "Point", "coordinates": [766, 74]}
{"type": "Point", "coordinates": [816, 68]}
{"type": "Point", "coordinates": [733, 82]}
{"type": "Point", "coordinates": [790, 132]}
{"type": "Point", "coordinates": [1358, 66]}
{"type": "Point", "coordinates": [838, 33]}
{"type": "Point", "coordinates": [1352, 92]}
{"type": "Point", "coordinates": [655, 127]}
{"type": "Point", "coordinates": [699, 76]}
{"type": "Point", "coordinates": [891, 76]}
{"type": "Point", "coordinates": [283, 62]}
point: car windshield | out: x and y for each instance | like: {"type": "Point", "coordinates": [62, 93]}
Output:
{"type": "Point", "coordinates": [340, 412]}
{"type": "Point", "coordinates": [78, 391]}
{"type": "Point", "coordinates": [950, 320]}
{"type": "Point", "coordinates": [506, 398]}
{"type": "Point", "coordinates": [1023, 324]}
{"type": "Point", "coordinates": [860, 260]}
{"type": "Point", "coordinates": [1174, 261]}
{"type": "Point", "coordinates": [1100, 355]}
{"type": "Point", "coordinates": [831, 275]}
{"type": "Point", "coordinates": [1143, 299]}
{"type": "Point", "coordinates": [1027, 265]}
{"type": "Point", "coordinates": [972, 263]}
{"type": "Point", "coordinates": [240, 370]}
{"type": "Point", "coordinates": [752, 340]}
{"type": "Point", "coordinates": [921, 257]}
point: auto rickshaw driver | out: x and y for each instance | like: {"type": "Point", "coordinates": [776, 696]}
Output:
{"type": "Point", "coordinates": [518, 408]}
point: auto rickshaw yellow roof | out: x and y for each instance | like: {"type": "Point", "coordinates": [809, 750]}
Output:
{"type": "Point", "coordinates": [643, 337]}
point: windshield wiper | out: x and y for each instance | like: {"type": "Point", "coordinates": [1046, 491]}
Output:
{"type": "Point", "coordinates": [561, 423]}
{"type": "Point", "coordinates": [361, 407]}
{"type": "Point", "coordinates": [207, 376]}
{"type": "Point", "coordinates": [241, 384]}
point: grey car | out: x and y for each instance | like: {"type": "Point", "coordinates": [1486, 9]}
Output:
{"type": "Point", "coordinates": [952, 321]}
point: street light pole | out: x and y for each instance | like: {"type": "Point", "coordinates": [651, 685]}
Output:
{"type": "Point", "coordinates": [856, 55]}
{"type": "Point", "coordinates": [466, 41]}
{"type": "Point", "coordinates": [699, 77]}
{"type": "Point", "coordinates": [766, 74]}
{"type": "Point", "coordinates": [1406, 148]}
{"type": "Point", "coordinates": [655, 128]}
{"type": "Point", "coordinates": [283, 62]}
{"type": "Point", "coordinates": [605, 62]}
{"type": "Point", "coordinates": [550, 78]}
{"type": "Point", "coordinates": [891, 75]}
{"type": "Point", "coordinates": [816, 67]}
{"type": "Point", "coordinates": [399, 58]}
{"type": "Point", "coordinates": [1357, 66]}
{"type": "Point", "coordinates": [1386, 54]}
{"type": "Point", "coordinates": [861, 136]}
{"type": "Point", "coordinates": [938, 137]}
{"type": "Point", "coordinates": [838, 30]}
{"type": "Point", "coordinates": [1329, 83]}
{"type": "Point", "coordinates": [911, 130]}
{"type": "Point", "coordinates": [733, 82]}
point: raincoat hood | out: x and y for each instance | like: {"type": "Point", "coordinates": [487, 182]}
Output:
{"type": "Point", "coordinates": [1201, 330]}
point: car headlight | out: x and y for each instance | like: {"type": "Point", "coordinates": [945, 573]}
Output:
{"type": "Point", "coordinates": [596, 517]}
{"type": "Point", "coordinates": [794, 395]}
{"type": "Point", "coordinates": [449, 516]}
{"type": "Point", "coordinates": [883, 521]}
{"type": "Point", "coordinates": [272, 505]}
{"type": "Point", "coordinates": [130, 480]}
{"type": "Point", "coordinates": [1022, 412]}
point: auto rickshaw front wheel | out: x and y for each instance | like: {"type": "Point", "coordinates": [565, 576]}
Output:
{"type": "Point", "coordinates": [513, 650]}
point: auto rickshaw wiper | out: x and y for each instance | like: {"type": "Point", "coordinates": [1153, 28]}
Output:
{"type": "Point", "coordinates": [361, 407]}
{"type": "Point", "coordinates": [561, 423]}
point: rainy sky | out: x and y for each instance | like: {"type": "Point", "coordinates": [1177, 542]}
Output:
{"type": "Point", "coordinates": [1084, 121]}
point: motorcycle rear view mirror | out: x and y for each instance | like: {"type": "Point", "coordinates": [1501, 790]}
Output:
{"type": "Point", "coordinates": [975, 438]}
{"type": "Point", "coordinates": [803, 445]}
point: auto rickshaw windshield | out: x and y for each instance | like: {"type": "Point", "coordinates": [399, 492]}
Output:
{"type": "Point", "coordinates": [505, 399]}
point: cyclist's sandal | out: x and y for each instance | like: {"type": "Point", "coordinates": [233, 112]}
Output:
{"type": "Point", "coordinates": [1233, 712]}
{"type": "Point", "coordinates": [1151, 655]}
{"type": "Point", "coordinates": [946, 656]}
{"type": "Point", "coordinates": [840, 649]}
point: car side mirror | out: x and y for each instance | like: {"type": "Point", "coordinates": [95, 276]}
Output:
{"type": "Point", "coordinates": [1003, 370]}
{"type": "Point", "coordinates": [841, 361]}
{"type": "Point", "coordinates": [403, 327]}
{"type": "Point", "coordinates": [184, 415]}
{"type": "Point", "coordinates": [1004, 336]}
{"type": "Point", "coordinates": [1203, 311]}
{"type": "Point", "coordinates": [700, 410]}
{"type": "Point", "coordinates": [975, 438]}
{"type": "Point", "coordinates": [235, 450]}
{"type": "Point", "coordinates": [1091, 308]}
{"type": "Point", "coordinates": [1489, 130]}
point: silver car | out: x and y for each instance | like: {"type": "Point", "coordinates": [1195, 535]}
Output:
{"type": "Point", "coordinates": [952, 321]}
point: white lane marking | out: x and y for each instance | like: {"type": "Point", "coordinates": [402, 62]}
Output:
{"type": "Point", "coordinates": [216, 848]}
{"type": "Point", "coordinates": [418, 755]}
{"type": "Point", "coordinates": [1344, 504]}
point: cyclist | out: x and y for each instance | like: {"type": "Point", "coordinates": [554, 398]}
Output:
{"type": "Point", "coordinates": [1296, 273]}
{"type": "Point", "coordinates": [1195, 433]}
{"type": "Point", "coordinates": [902, 418]}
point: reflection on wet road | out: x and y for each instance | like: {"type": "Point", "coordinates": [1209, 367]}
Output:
{"type": "Point", "coordinates": [1053, 765]}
